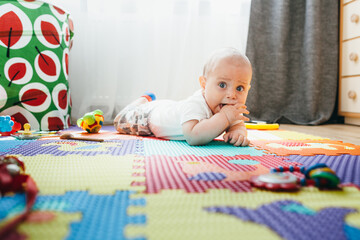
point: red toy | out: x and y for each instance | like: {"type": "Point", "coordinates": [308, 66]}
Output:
{"type": "Point", "coordinates": [319, 175]}
{"type": "Point", "coordinates": [8, 126]}
{"type": "Point", "coordinates": [13, 179]}
{"type": "Point", "coordinates": [276, 181]}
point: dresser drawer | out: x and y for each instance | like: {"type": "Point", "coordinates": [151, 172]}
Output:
{"type": "Point", "coordinates": [350, 58]}
{"type": "Point", "coordinates": [351, 20]}
{"type": "Point", "coordinates": [350, 95]}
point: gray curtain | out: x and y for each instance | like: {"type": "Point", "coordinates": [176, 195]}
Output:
{"type": "Point", "coordinates": [293, 47]}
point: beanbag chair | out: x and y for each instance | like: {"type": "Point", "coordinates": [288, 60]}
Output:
{"type": "Point", "coordinates": [35, 39]}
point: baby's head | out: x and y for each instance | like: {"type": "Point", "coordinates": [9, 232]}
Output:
{"type": "Point", "coordinates": [226, 78]}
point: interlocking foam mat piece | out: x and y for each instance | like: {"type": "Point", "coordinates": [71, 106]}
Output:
{"type": "Point", "coordinates": [197, 174]}
{"type": "Point", "coordinates": [102, 216]}
{"type": "Point", "coordinates": [131, 187]}
{"type": "Point", "coordinates": [222, 214]}
{"type": "Point", "coordinates": [307, 147]}
{"type": "Point", "coordinates": [281, 134]}
{"type": "Point", "coordinates": [100, 174]}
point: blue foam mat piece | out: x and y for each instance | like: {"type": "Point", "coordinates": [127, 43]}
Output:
{"type": "Point", "coordinates": [103, 216]}
{"type": "Point", "coordinates": [352, 233]}
{"type": "Point", "coordinates": [178, 148]}
{"type": "Point", "coordinates": [8, 145]}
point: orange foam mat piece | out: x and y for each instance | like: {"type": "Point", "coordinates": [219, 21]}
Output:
{"type": "Point", "coordinates": [307, 147]}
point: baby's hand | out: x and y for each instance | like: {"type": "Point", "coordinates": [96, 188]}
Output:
{"type": "Point", "coordinates": [236, 138]}
{"type": "Point", "coordinates": [234, 112]}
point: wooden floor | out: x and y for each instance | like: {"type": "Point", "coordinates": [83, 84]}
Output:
{"type": "Point", "coordinates": [342, 132]}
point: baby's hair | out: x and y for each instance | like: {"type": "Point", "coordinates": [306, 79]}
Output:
{"type": "Point", "coordinates": [223, 53]}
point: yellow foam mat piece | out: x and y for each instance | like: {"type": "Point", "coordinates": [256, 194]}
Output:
{"type": "Point", "coordinates": [291, 135]}
{"type": "Point", "coordinates": [100, 174]}
{"type": "Point", "coordinates": [179, 215]}
{"type": "Point", "coordinates": [58, 228]}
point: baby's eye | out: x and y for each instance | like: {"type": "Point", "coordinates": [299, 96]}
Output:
{"type": "Point", "coordinates": [222, 85]}
{"type": "Point", "coordinates": [240, 88]}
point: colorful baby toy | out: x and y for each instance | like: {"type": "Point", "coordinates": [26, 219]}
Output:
{"type": "Point", "coordinates": [8, 125]}
{"type": "Point", "coordinates": [319, 175]}
{"type": "Point", "coordinates": [92, 121]}
{"type": "Point", "coordinates": [13, 179]}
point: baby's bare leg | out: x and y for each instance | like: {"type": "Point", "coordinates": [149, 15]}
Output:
{"type": "Point", "coordinates": [128, 121]}
{"type": "Point", "coordinates": [147, 97]}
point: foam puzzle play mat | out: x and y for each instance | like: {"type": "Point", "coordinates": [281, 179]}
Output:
{"type": "Point", "coordinates": [285, 185]}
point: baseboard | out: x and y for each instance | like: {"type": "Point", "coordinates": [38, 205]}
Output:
{"type": "Point", "coordinates": [352, 121]}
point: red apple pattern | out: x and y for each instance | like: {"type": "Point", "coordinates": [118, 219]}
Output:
{"type": "Point", "coordinates": [34, 63]}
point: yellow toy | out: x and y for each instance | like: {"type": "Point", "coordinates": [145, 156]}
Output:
{"type": "Point", "coordinates": [262, 126]}
{"type": "Point", "coordinates": [27, 128]}
{"type": "Point", "coordinates": [92, 121]}
{"type": "Point", "coordinates": [26, 134]}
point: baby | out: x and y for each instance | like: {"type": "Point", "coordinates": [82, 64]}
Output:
{"type": "Point", "coordinates": [217, 107]}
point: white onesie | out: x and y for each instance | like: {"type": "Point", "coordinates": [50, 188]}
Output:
{"type": "Point", "coordinates": [162, 118]}
{"type": "Point", "coordinates": [167, 116]}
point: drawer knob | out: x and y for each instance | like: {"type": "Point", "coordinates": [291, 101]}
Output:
{"type": "Point", "coordinates": [354, 18]}
{"type": "Point", "coordinates": [352, 94]}
{"type": "Point", "coordinates": [353, 57]}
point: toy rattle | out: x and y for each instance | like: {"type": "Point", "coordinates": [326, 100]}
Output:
{"type": "Point", "coordinates": [13, 179]}
{"type": "Point", "coordinates": [27, 130]}
{"type": "Point", "coordinates": [319, 175]}
{"type": "Point", "coordinates": [91, 121]}
{"type": "Point", "coordinates": [26, 134]}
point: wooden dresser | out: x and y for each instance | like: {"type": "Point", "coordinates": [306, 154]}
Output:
{"type": "Point", "coordinates": [349, 69]}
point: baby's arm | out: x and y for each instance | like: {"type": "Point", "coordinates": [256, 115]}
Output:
{"type": "Point", "coordinates": [237, 135]}
{"type": "Point", "coordinates": [199, 133]}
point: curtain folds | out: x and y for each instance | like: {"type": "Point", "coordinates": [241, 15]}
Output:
{"type": "Point", "coordinates": [293, 47]}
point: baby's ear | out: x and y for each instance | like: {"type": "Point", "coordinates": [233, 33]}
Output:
{"type": "Point", "coordinates": [202, 81]}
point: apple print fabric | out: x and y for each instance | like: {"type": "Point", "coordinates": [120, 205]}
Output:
{"type": "Point", "coordinates": [35, 39]}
